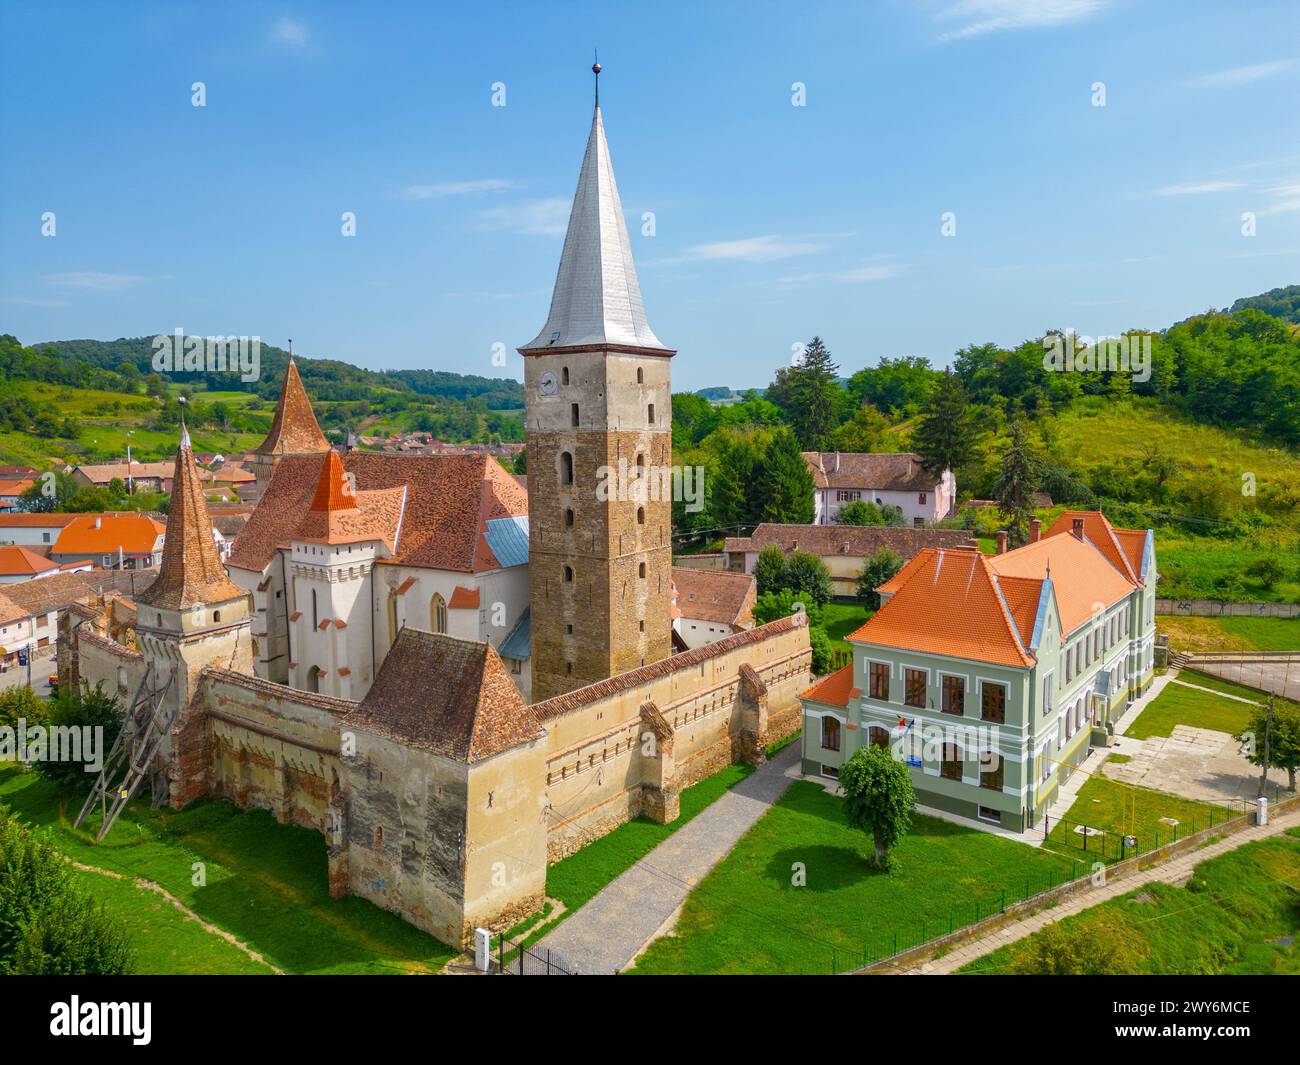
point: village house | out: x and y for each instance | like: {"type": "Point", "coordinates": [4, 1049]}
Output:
{"type": "Point", "coordinates": [112, 540]}
{"type": "Point", "coordinates": [839, 477]}
{"type": "Point", "coordinates": [994, 675]}
{"type": "Point", "coordinates": [33, 530]}
{"type": "Point", "coordinates": [845, 549]}
{"type": "Point", "coordinates": [709, 606]}
{"type": "Point", "coordinates": [19, 564]}
{"type": "Point", "coordinates": [11, 490]}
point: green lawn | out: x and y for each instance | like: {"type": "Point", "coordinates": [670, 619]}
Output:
{"type": "Point", "coordinates": [1238, 915]}
{"type": "Point", "coordinates": [1231, 634]}
{"type": "Point", "coordinates": [1181, 705]}
{"type": "Point", "coordinates": [574, 880]}
{"type": "Point", "coordinates": [1120, 810]}
{"type": "Point", "coordinates": [747, 915]}
{"type": "Point", "coordinates": [840, 619]}
{"type": "Point", "coordinates": [265, 882]}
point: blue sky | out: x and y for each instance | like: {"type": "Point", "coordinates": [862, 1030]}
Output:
{"type": "Point", "coordinates": [772, 222]}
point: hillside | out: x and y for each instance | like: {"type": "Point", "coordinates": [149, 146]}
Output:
{"type": "Point", "coordinates": [1281, 303]}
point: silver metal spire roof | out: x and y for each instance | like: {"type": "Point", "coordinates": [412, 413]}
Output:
{"type": "Point", "coordinates": [597, 298]}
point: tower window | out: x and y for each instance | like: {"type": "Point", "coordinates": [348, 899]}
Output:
{"type": "Point", "coordinates": [315, 617]}
{"type": "Point", "coordinates": [640, 571]}
{"type": "Point", "coordinates": [568, 574]}
{"type": "Point", "coordinates": [650, 414]}
{"type": "Point", "coordinates": [640, 376]}
{"type": "Point", "coordinates": [568, 517]}
{"type": "Point", "coordinates": [573, 414]}
{"type": "Point", "coordinates": [566, 468]}
{"type": "Point", "coordinates": [640, 515]}
{"type": "Point", "coordinates": [564, 376]}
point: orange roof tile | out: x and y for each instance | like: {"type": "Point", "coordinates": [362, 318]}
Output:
{"type": "Point", "coordinates": [22, 561]}
{"type": "Point", "coordinates": [333, 491]}
{"type": "Point", "coordinates": [836, 689]}
{"type": "Point", "coordinates": [13, 520]}
{"type": "Point", "coordinates": [1099, 530]}
{"type": "Point", "coordinates": [464, 598]}
{"type": "Point", "coordinates": [712, 595]}
{"type": "Point", "coordinates": [103, 534]}
{"type": "Point", "coordinates": [14, 488]}
{"type": "Point", "coordinates": [294, 430]}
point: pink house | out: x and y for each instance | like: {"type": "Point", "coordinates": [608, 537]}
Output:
{"type": "Point", "coordinates": [902, 481]}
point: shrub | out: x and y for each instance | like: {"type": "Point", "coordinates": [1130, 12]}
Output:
{"type": "Point", "coordinates": [88, 708]}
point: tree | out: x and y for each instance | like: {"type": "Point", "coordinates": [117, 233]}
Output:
{"type": "Point", "coordinates": [1017, 482]}
{"type": "Point", "coordinates": [787, 484]}
{"type": "Point", "coordinates": [859, 512]}
{"type": "Point", "coordinates": [1268, 570]}
{"type": "Point", "coordinates": [782, 603]}
{"type": "Point", "coordinates": [1098, 947]}
{"type": "Point", "coordinates": [806, 575]}
{"type": "Point", "coordinates": [769, 569]}
{"type": "Point", "coordinates": [879, 568]}
{"type": "Point", "coordinates": [878, 798]}
{"type": "Point", "coordinates": [48, 925]}
{"type": "Point", "coordinates": [812, 396]}
{"type": "Point", "coordinates": [21, 703]}
{"type": "Point", "coordinates": [947, 434]}
{"type": "Point", "coordinates": [1283, 738]}
{"type": "Point", "coordinates": [90, 708]}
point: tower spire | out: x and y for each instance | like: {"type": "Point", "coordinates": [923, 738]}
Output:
{"type": "Point", "coordinates": [595, 69]}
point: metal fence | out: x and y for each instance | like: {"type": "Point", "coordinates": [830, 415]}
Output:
{"type": "Point", "coordinates": [528, 961]}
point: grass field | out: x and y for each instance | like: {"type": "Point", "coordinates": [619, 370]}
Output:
{"type": "Point", "coordinates": [1120, 810]}
{"type": "Point", "coordinates": [1238, 915]}
{"type": "Point", "coordinates": [264, 882]}
{"type": "Point", "coordinates": [1181, 705]}
{"type": "Point", "coordinates": [1231, 634]}
{"type": "Point", "coordinates": [748, 916]}
{"type": "Point", "coordinates": [840, 619]}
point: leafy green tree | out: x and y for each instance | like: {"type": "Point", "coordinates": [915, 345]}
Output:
{"type": "Point", "coordinates": [947, 433]}
{"type": "Point", "coordinates": [878, 798]}
{"type": "Point", "coordinates": [787, 484]}
{"type": "Point", "coordinates": [1268, 570]}
{"type": "Point", "coordinates": [90, 708]}
{"type": "Point", "coordinates": [48, 925]}
{"type": "Point", "coordinates": [782, 603]}
{"type": "Point", "coordinates": [879, 568]}
{"type": "Point", "coordinates": [20, 702]}
{"type": "Point", "coordinates": [859, 512]}
{"type": "Point", "coordinates": [806, 575]}
{"type": "Point", "coordinates": [769, 569]}
{"type": "Point", "coordinates": [822, 655]}
{"type": "Point", "coordinates": [1017, 482]}
{"type": "Point", "coordinates": [864, 432]}
{"type": "Point", "coordinates": [900, 386]}
{"type": "Point", "coordinates": [1283, 738]}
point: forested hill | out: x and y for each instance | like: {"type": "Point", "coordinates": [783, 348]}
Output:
{"type": "Point", "coordinates": [105, 364]}
{"type": "Point", "coordinates": [1281, 303]}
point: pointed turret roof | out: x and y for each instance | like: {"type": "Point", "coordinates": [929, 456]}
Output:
{"type": "Point", "coordinates": [191, 571]}
{"type": "Point", "coordinates": [333, 491]}
{"type": "Point", "coordinates": [597, 299]}
{"type": "Point", "coordinates": [295, 430]}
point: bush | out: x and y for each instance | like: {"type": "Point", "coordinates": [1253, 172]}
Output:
{"type": "Point", "coordinates": [88, 708]}
{"type": "Point", "coordinates": [48, 925]}
{"type": "Point", "coordinates": [821, 650]}
{"type": "Point", "coordinates": [22, 702]}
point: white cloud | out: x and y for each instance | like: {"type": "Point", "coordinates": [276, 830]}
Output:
{"type": "Point", "coordinates": [748, 250]}
{"type": "Point", "coordinates": [1197, 188]}
{"type": "Point", "coordinates": [290, 32]}
{"type": "Point", "coordinates": [101, 282]}
{"type": "Point", "coordinates": [444, 189]}
{"type": "Point", "coordinates": [1244, 75]}
{"type": "Point", "coordinates": [545, 217]}
{"type": "Point", "coordinates": [856, 276]}
{"type": "Point", "coordinates": [976, 17]}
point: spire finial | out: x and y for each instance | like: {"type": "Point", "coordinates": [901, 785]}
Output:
{"type": "Point", "coordinates": [291, 349]}
{"type": "Point", "coordinates": [595, 69]}
{"type": "Point", "coordinates": [185, 433]}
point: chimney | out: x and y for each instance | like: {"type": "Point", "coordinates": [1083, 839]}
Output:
{"type": "Point", "coordinates": [1077, 528]}
{"type": "Point", "coordinates": [99, 522]}
{"type": "Point", "coordinates": [837, 462]}
{"type": "Point", "coordinates": [1002, 541]}
{"type": "Point", "coordinates": [1035, 530]}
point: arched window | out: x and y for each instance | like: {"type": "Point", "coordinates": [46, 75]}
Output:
{"type": "Point", "coordinates": [568, 574]}
{"type": "Point", "coordinates": [216, 616]}
{"type": "Point", "coordinates": [568, 517]}
{"type": "Point", "coordinates": [650, 413]}
{"type": "Point", "coordinates": [640, 515]}
{"type": "Point", "coordinates": [313, 679]}
{"type": "Point", "coordinates": [438, 613]}
{"type": "Point", "coordinates": [640, 376]}
{"type": "Point", "coordinates": [830, 733]}
{"type": "Point", "coordinates": [315, 616]}
{"type": "Point", "coordinates": [574, 420]}
{"type": "Point", "coordinates": [878, 736]}
{"type": "Point", "coordinates": [640, 570]}
{"type": "Point", "coordinates": [564, 375]}
{"type": "Point", "coordinates": [566, 468]}
{"type": "Point", "coordinates": [640, 466]}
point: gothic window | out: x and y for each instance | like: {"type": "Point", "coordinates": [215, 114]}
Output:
{"type": "Point", "coordinates": [568, 517]}
{"type": "Point", "coordinates": [438, 613]}
{"type": "Point", "coordinates": [566, 468]}
{"type": "Point", "coordinates": [568, 574]}
{"type": "Point", "coordinates": [640, 376]}
{"type": "Point", "coordinates": [640, 515]}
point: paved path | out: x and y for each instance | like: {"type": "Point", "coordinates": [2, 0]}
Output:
{"type": "Point", "coordinates": [610, 930]}
{"type": "Point", "coordinates": [1174, 871]}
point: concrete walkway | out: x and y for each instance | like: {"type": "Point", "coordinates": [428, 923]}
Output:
{"type": "Point", "coordinates": [610, 930]}
{"type": "Point", "coordinates": [1175, 871]}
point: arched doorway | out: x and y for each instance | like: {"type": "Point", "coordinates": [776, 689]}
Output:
{"type": "Point", "coordinates": [313, 679]}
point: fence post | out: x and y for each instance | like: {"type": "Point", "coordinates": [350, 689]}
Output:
{"type": "Point", "coordinates": [1004, 900]}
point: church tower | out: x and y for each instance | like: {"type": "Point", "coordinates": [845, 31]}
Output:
{"type": "Point", "coordinates": [294, 430]}
{"type": "Point", "coordinates": [191, 617]}
{"type": "Point", "coordinates": [598, 414]}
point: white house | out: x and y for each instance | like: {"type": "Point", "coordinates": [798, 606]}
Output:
{"type": "Point", "coordinates": [902, 481]}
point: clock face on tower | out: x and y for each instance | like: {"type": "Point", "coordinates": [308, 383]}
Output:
{"type": "Point", "coordinates": [546, 383]}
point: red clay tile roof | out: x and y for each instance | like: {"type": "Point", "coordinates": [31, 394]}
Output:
{"type": "Point", "coordinates": [1098, 529]}
{"type": "Point", "coordinates": [15, 488]}
{"type": "Point", "coordinates": [294, 430]}
{"type": "Point", "coordinates": [885, 472]}
{"type": "Point", "coordinates": [449, 501]}
{"type": "Point", "coordinates": [62, 590]}
{"type": "Point", "coordinates": [834, 690]}
{"type": "Point", "coordinates": [464, 598]}
{"type": "Point", "coordinates": [16, 560]}
{"type": "Point", "coordinates": [102, 534]}
{"type": "Point", "coordinates": [339, 515]}
{"type": "Point", "coordinates": [473, 712]}
{"type": "Point", "coordinates": [11, 611]}
{"type": "Point", "coordinates": [191, 571]}
{"type": "Point", "coordinates": [855, 540]}
{"type": "Point", "coordinates": [36, 521]}
{"type": "Point", "coordinates": [713, 595]}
